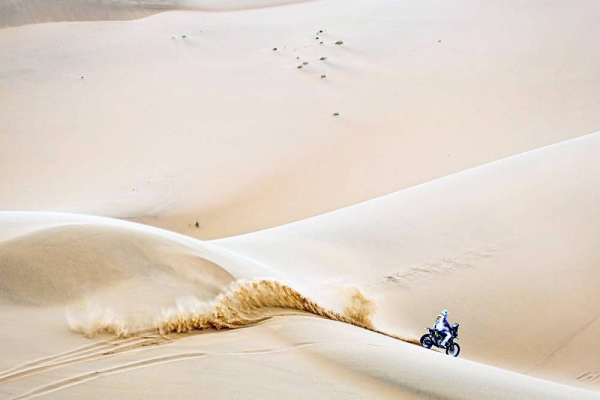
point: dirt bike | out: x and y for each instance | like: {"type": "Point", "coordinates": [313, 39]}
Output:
{"type": "Point", "coordinates": [435, 338]}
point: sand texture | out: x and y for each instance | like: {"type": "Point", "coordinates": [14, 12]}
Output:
{"type": "Point", "coordinates": [273, 199]}
{"type": "Point", "coordinates": [133, 120]}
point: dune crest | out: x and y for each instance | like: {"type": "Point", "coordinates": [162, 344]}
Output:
{"type": "Point", "coordinates": [245, 302]}
{"type": "Point", "coordinates": [24, 12]}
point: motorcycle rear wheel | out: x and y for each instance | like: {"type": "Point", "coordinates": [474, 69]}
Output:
{"type": "Point", "coordinates": [426, 341]}
{"type": "Point", "coordinates": [453, 350]}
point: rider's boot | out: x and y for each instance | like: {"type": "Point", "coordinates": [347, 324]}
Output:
{"type": "Point", "coordinates": [443, 344]}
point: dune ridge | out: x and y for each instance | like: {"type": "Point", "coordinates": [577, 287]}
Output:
{"type": "Point", "coordinates": [25, 12]}
{"type": "Point", "coordinates": [135, 279]}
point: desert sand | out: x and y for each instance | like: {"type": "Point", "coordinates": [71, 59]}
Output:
{"type": "Point", "coordinates": [186, 212]}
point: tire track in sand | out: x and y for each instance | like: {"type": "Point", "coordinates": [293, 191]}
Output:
{"type": "Point", "coordinates": [83, 354]}
{"type": "Point", "coordinates": [564, 343]}
{"type": "Point", "coordinates": [78, 351]}
{"type": "Point", "coordinates": [79, 379]}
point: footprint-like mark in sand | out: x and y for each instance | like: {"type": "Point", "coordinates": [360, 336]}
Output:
{"type": "Point", "coordinates": [592, 376]}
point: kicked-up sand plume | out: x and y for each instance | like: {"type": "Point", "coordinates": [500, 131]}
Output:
{"type": "Point", "coordinates": [243, 303]}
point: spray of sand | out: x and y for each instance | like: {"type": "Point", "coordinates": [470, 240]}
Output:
{"type": "Point", "coordinates": [243, 303]}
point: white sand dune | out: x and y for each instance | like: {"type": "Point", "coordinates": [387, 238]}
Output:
{"type": "Point", "coordinates": [305, 356]}
{"type": "Point", "coordinates": [218, 128]}
{"type": "Point", "coordinates": [511, 248]}
{"type": "Point", "coordinates": [471, 115]}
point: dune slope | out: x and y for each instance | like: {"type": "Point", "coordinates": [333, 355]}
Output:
{"type": "Point", "coordinates": [24, 12]}
{"type": "Point", "coordinates": [510, 248]}
{"type": "Point", "coordinates": [214, 124]}
{"type": "Point", "coordinates": [191, 116]}
{"type": "Point", "coordinates": [148, 274]}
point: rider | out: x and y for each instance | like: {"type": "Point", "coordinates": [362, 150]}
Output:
{"type": "Point", "coordinates": [443, 326]}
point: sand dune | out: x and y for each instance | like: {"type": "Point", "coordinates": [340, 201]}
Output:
{"type": "Point", "coordinates": [218, 128]}
{"type": "Point", "coordinates": [510, 248]}
{"type": "Point", "coordinates": [257, 361]}
{"type": "Point", "coordinates": [213, 124]}
{"type": "Point", "coordinates": [137, 280]}
{"type": "Point", "coordinates": [326, 358]}
{"type": "Point", "coordinates": [94, 257]}
{"type": "Point", "coordinates": [24, 12]}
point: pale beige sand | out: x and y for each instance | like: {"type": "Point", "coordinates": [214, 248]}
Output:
{"type": "Point", "coordinates": [511, 248]}
{"type": "Point", "coordinates": [218, 128]}
{"type": "Point", "coordinates": [191, 116]}
{"type": "Point", "coordinates": [289, 356]}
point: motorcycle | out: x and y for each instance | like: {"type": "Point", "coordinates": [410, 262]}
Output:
{"type": "Point", "coordinates": [435, 338]}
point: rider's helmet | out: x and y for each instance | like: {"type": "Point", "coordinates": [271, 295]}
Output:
{"type": "Point", "coordinates": [445, 313]}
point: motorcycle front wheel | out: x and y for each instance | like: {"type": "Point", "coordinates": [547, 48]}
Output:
{"type": "Point", "coordinates": [453, 350]}
{"type": "Point", "coordinates": [426, 341]}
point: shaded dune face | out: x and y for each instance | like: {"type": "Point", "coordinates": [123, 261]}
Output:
{"type": "Point", "coordinates": [123, 281]}
{"type": "Point", "coordinates": [222, 5]}
{"type": "Point", "coordinates": [67, 263]}
{"type": "Point", "coordinates": [24, 12]}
